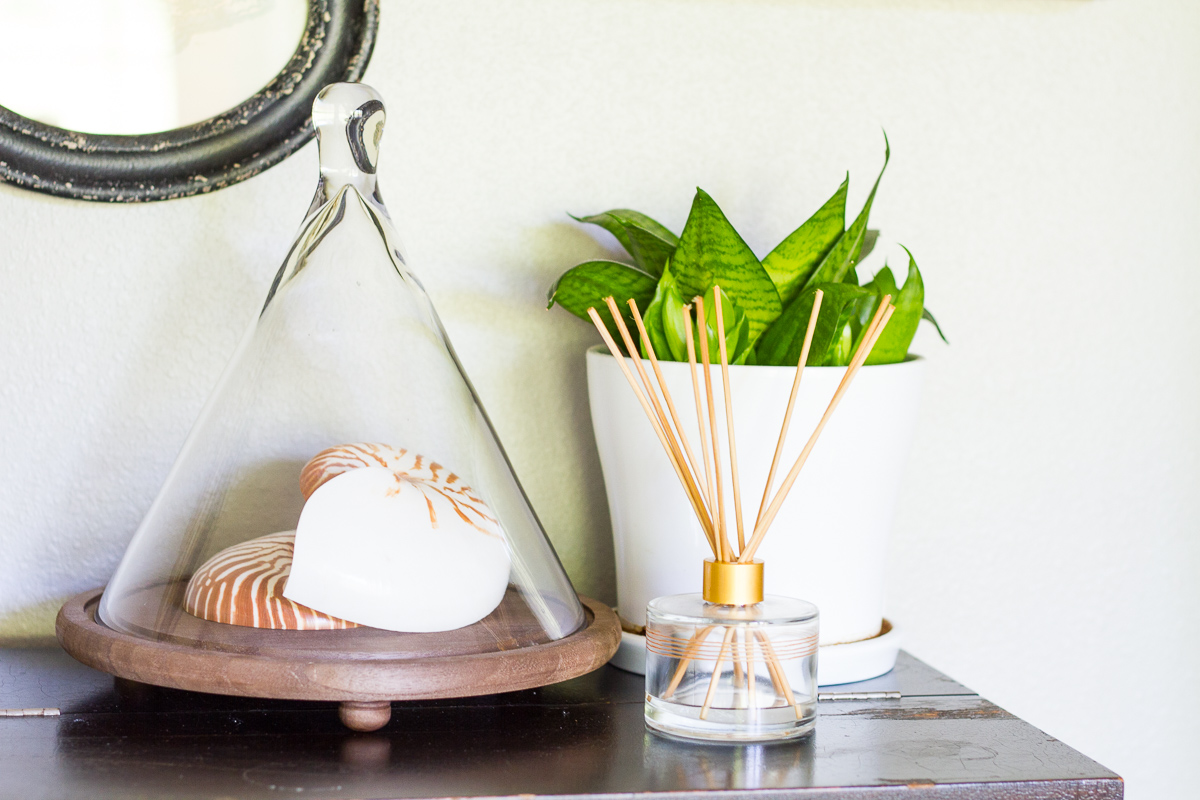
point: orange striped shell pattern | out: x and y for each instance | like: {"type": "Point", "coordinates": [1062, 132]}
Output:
{"type": "Point", "coordinates": [434, 480]}
{"type": "Point", "coordinates": [243, 585]}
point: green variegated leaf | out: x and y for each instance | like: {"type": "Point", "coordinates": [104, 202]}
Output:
{"type": "Point", "coordinates": [587, 284]}
{"type": "Point", "coordinates": [843, 344]}
{"type": "Point", "coordinates": [652, 318]}
{"type": "Point", "coordinates": [795, 258]}
{"type": "Point", "coordinates": [672, 317]}
{"type": "Point", "coordinates": [844, 255]}
{"type": "Point", "coordinates": [884, 283]}
{"type": "Point", "coordinates": [712, 253]}
{"type": "Point", "coordinates": [735, 325]}
{"type": "Point", "coordinates": [741, 338]}
{"type": "Point", "coordinates": [892, 345]}
{"type": "Point", "coordinates": [868, 244]}
{"type": "Point", "coordinates": [737, 329]}
{"type": "Point", "coordinates": [783, 341]}
{"type": "Point", "coordinates": [748, 357]}
{"type": "Point", "coordinates": [648, 242]}
{"type": "Point", "coordinates": [926, 315]}
{"type": "Point", "coordinates": [765, 304]}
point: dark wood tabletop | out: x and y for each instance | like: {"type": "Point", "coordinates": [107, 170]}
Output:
{"type": "Point", "coordinates": [114, 739]}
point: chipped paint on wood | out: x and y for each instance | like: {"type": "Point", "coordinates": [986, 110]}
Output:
{"type": "Point", "coordinates": [920, 708]}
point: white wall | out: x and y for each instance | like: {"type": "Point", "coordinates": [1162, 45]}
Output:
{"type": "Point", "coordinates": [1045, 173]}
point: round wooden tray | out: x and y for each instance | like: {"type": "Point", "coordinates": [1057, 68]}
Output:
{"type": "Point", "coordinates": [365, 687]}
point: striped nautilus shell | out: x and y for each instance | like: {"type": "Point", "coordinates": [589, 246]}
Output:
{"type": "Point", "coordinates": [394, 540]}
{"type": "Point", "coordinates": [432, 479]}
{"type": "Point", "coordinates": [243, 585]}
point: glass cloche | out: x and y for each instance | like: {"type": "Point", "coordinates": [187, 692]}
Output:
{"type": "Point", "coordinates": [342, 496]}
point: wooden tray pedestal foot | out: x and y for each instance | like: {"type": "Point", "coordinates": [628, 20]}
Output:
{"type": "Point", "coordinates": [364, 716]}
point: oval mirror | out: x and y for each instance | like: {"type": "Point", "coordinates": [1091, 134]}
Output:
{"type": "Point", "coordinates": [154, 99]}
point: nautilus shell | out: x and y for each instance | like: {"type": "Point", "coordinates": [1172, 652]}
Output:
{"type": "Point", "coordinates": [394, 540]}
{"type": "Point", "coordinates": [332, 462]}
{"type": "Point", "coordinates": [430, 475]}
{"type": "Point", "coordinates": [243, 585]}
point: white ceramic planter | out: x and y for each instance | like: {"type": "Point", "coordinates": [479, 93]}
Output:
{"type": "Point", "coordinates": [827, 545]}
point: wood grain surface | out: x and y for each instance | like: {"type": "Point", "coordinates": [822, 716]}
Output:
{"type": "Point", "coordinates": [578, 740]}
{"type": "Point", "coordinates": [327, 665]}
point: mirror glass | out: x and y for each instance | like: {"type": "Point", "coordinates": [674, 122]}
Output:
{"type": "Point", "coordinates": [141, 66]}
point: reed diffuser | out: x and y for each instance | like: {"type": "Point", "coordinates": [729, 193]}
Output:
{"type": "Point", "coordinates": [729, 663]}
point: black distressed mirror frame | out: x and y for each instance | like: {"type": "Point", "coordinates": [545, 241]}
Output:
{"type": "Point", "coordinates": [221, 151]}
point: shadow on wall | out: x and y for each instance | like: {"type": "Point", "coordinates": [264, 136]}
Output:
{"type": "Point", "coordinates": [527, 365]}
{"type": "Point", "coordinates": [32, 626]}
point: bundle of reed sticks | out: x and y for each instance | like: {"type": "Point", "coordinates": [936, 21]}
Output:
{"type": "Point", "coordinates": [702, 477]}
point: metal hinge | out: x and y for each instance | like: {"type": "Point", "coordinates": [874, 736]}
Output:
{"type": "Point", "coordinates": [29, 712]}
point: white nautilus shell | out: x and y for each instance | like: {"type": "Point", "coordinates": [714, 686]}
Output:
{"type": "Point", "coordinates": [395, 540]}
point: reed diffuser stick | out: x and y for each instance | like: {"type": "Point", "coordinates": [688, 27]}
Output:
{"type": "Point", "coordinates": [774, 666]}
{"type": "Point", "coordinates": [662, 384]}
{"type": "Point", "coordinates": [716, 674]}
{"type": "Point", "coordinates": [688, 654]}
{"type": "Point", "coordinates": [697, 506]}
{"type": "Point", "coordinates": [751, 668]}
{"type": "Point", "coordinates": [734, 579]}
{"type": "Point", "coordinates": [704, 448]}
{"type": "Point", "coordinates": [636, 356]}
{"type": "Point", "coordinates": [686, 476]}
{"type": "Point", "coordinates": [733, 459]}
{"type": "Point", "coordinates": [780, 677]}
{"type": "Point", "coordinates": [878, 323]}
{"type": "Point", "coordinates": [791, 403]}
{"type": "Point", "coordinates": [871, 335]}
{"type": "Point", "coordinates": [724, 552]}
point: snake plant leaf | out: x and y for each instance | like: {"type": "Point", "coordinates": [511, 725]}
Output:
{"type": "Point", "coordinates": [652, 318]}
{"type": "Point", "coordinates": [848, 335]}
{"type": "Point", "coordinates": [736, 326]}
{"type": "Point", "coordinates": [795, 258]}
{"type": "Point", "coordinates": [868, 244]}
{"type": "Point", "coordinates": [884, 283]}
{"type": "Point", "coordinates": [926, 315]}
{"type": "Point", "coordinates": [892, 345]}
{"type": "Point", "coordinates": [647, 241]}
{"type": "Point", "coordinates": [842, 349]}
{"type": "Point", "coordinates": [672, 315]}
{"type": "Point", "coordinates": [748, 357]}
{"type": "Point", "coordinates": [843, 256]}
{"type": "Point", "coordinates": [783, 341]}
{"type": "Point", "coordinates": [737, 330]}
{"type": "Point", "coordinates": [664, 320]}
{"type": "Point", "coordinates": [742, 343]}
{"type": "Point", "coordinates": [712, 253]}
{"type": "Point", "coordinates": [586, 285]}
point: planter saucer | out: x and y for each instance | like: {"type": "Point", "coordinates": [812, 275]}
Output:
{"type": "Point", "coordinates": [836, 663]}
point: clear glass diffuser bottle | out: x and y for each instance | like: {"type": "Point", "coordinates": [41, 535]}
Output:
{"type": "Point", "coordinates": [730, 664]}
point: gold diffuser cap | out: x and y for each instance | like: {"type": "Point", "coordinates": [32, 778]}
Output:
{"type": "Point", "coordinates": [729, 583]}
